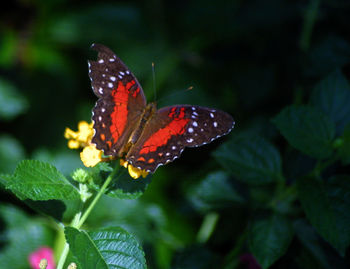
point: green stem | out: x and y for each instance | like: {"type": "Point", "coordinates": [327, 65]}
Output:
{"type": "Point", "coordinates": [322, 165]}
{"type": "Point", "coordinates": [64, 254]}
{"type": "Point", "coordinates": [207, 228]}
{"type": "Point", "coordinates": [78, 221]}
{"type": "Point", "coordinates": [308, 25]}
{"type": "Point", "coordinates": [97, 197]}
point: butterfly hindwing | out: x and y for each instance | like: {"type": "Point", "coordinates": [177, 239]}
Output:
{"type": "Point", "coordinates": [120, 104]}
{"type": "Point", "coordinates": [172, 129]}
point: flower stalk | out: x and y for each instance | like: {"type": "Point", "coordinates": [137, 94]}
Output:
{"type": "Point", "coordinates": [80, 218]}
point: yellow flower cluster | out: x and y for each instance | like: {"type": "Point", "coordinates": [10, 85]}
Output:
{"type": "Point", "coordinates": [134, 172]}
{"type": "Point", "coordinates": [90, 156]}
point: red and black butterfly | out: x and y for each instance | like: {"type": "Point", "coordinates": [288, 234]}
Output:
{"type": "Point", "coordinates": [126, 126]}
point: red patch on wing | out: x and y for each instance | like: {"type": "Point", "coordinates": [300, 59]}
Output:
{"type": "Point", "coordinates": [161, 137]}
{"type": "Point", "coordinates": [136, 92]}
{"type": "Point", "coordinates": [182, 113]}
{"type": "Point", "coordinates": [120, 112]}
{"type": "Point", "coordinates": [141, 159]}
{"type": "Point", "coordinates": [172, 112]}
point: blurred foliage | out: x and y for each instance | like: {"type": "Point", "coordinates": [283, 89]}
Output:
{"type": "Point", "coordinates": [276, 187]}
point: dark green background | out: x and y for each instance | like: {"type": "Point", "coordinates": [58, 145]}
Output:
{"type": "Point", "coordinates": [249, 58]}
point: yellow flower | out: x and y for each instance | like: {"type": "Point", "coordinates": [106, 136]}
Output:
{"type": "Point", "coordinates": [90, 156]}
{"type": "Point", "coordinates": [123, 163]}
{"type": "Point", "coordinates": [134, 172]}
{"type": "Point", "coordinates": [82, 137]}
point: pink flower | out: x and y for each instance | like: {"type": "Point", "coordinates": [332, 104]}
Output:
{"type": "Point", "coordinates": [41, 253]}
{"type": "Point", "coordinates": [249, 260]}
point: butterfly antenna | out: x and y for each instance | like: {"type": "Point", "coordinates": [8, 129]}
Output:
{"type": "Point", "coordinates": [176, 93]}
{"type": "Point", "coordinates": [154, 81]}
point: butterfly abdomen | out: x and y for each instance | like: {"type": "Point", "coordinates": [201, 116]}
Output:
{"type": "Point", "coordinates": [148, 112]}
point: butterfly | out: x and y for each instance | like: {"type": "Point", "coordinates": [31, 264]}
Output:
{"type": "Point", "coordinates": [146, 137]}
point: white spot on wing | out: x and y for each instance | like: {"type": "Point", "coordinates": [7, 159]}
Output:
{"type": "Point", "coordinates": [173, 147]}
{"type": "Point", "coordinates": [100, 90]}
{"type": "Point", "coordinates": [111, 59]}
{"type": "Point", "coordinates": [159, 164]}
{"type": "Point", "coordinates": [195, 124]}
{"type": "Point", "coordinates": [113, 78]}
{"type": "Point", "coordinates": [101, 61]}
{"type": "Point", "coordinates": [211, 115]}
{"type": "Point", "coordinates": [190, 140]}
{"type": "Point", "coordinates": [110, 84]}
{"type": "Point", "coordinates": [122, 73]}
{"type": "Point", "coordinates": [190, 130]}
{"type": "Point", "coordinates": [215, 124]}
{"type": "Point", "coordinates": [127, 72]}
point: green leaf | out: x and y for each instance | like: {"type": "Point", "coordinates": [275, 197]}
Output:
{"type": "Point", "coordinates": [61, 210]}
{"type": "Point", "coordinates": [4, 179]}
{"type": "Point", "coordinates": [23, 235]}
{"type": "Point", "coordinates": [12, 102]}
{"type": "Point", "coordinates": [37, 180]}
{"type": "Point", "coordinates": [332, 96]}
{"type": "Point", "coordinates": [327, 206]}
{"type": "Point", "coordinates": [214, 192]}
{"type": "Point", "coordinates": [125, 187]}
{"type": "Point", "coordinates": [330, 53]}
{"type": "Point", "coordinates": [310, 240]}
{"type": "Point", "coordinates": [269, 238]}
{"type": "Point", "coordinates": [110, 247]}
{"type": "Point", "coordinates": [307, 129]}
{"type": "Point", "coordinates": [11, 152]}
{"type": "Point", "coordinates": [251, 159]}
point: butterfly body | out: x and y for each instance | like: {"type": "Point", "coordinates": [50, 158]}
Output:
{"type": "Point", "coordinates": [126, 126]}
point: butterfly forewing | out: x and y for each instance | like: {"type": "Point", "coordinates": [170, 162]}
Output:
{"type": "Point", "coordinates": [172, 129]}
{"type": "Point", "coordinates": [121, 101]}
